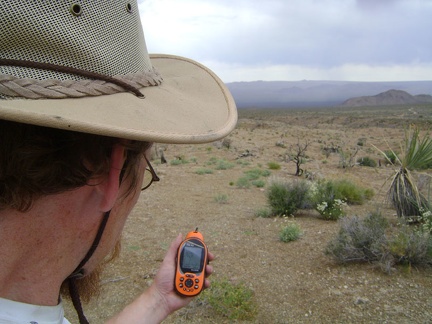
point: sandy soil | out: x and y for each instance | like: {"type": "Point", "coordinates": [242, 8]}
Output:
{"type": "Point", "coordinates": [293, 282]}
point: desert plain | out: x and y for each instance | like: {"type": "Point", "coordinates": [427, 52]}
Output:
{"type": "Point", "coordinates": [292, 282]}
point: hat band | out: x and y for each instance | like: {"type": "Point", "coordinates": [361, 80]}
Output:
{"type": "Point", "coordinates": [12, 87]}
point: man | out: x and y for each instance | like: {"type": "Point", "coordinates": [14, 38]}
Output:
{"type": "Point", "coordinates": [81, 103]}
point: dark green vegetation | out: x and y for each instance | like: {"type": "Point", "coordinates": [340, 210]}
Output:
{"type": "Point", "coordinates": [327, 197]}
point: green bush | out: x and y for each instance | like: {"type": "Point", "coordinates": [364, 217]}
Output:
{"type": "Point", "coordinates": [333, 209]}
{"type": "Point", "coordinates": [221, 199]}
{"type": "Point", "coordinates": [224, 165]}
{"type": "Point", "coordinates": [243, 183]}
{"type": "Point", "coordinates": [179, 160]}
{"type": "Point", "coordinates": [264, 212]}
{"type": "Point", "coordinates": [285, 198]}
{"type": "Point", "coordinates": [234, 301]}
{"type": "Point", "coordinates": [349, 192]}
{"type": "Point", "coordinates": [290, 233]}
{"type": "Point", "coordinates": [258, 183]}
{"type": "Point", "coordinates": [344, 190]}
{"type": "Point", "coordinates": [390, 156]}
{"type": "Point", "coordinates": [255, 174]}
{"type": "Point", "coordinates": [273, 166]}
{"type": "Point", "coordinates": [367, 161]}
{"type": "Point", "coordinates": [252, 177]}
{"type": "Point", "coordinates": [361, 141]}
{"type": "Point", "coordinates": [220, 164]}
{"type": "Point", "coordinates": [327, 200]}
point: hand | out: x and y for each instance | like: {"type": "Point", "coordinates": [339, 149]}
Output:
{"type": "Point", "coordinates": [160, 300]}
{"type": "Point", "coordinates": [164, 280]}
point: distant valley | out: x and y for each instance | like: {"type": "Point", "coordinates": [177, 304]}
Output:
{"type": "Point", "coordinates": [280, 94]}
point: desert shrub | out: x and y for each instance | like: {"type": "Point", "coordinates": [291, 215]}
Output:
{"type": "Point", "coordinates": [273, 166]}
{"type": "Point", "coordinates": [223, 165]}
{"type": "Point", "coordinates": [220, 164]}
{"type": "Point", "coordinates": [221, 199]}
{"type": "Point", "coordinates": [372, 240]}
{"type": "Point", "coordinates": [361, 141]}
{"type": "Point", "coordinates": [227, 142]}
{"type": "Point", "coordinates": [243, 183]}
{"type": "Point", "coordinates": [347, 158]}
{"type": "Point", "coordinates": [255, 174]}
{"type": "Point", "coordinates": [202, 171]}
{"type": "Point", "coordinates": [263, 212]}
{"type": "Point", "coordinates": [234, 301]}
{"type": "Point", "coordinates": [285, 198]}
{"type": "Point", "coordinates": [343, 190]}
{"type": "Point", "coordinates": [425, 220]}
{"type": "Point", "coordinates": [326, 200]}
{"type": "Point", "coordinates": [359, 240]}
{"type": "Point", "coordinates": [280, 144]}
{"type": "Point", "coordinates": [243, 163]}
{"type": "Point", "coordinates": [390, 156]}
{"type": "Point", "coordinates": [258, 183]}
{"type": "Point", "coordinates": [179, 160]}
{"type": "Point", "coordinates": [252, 177]}
{"type": "Point", "coordinates": [346, 190]}
{"type": "Point", "coordinates": [409, 247]}
{"type": "Point", "coordinates": [367, 161]}
{"type": "Point", "coordinates": [290, 233]}
{"type": "Point", "coordinates": [332, 209]}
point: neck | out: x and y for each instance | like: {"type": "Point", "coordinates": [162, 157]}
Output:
{"type": "Point", "coordinates": [41, 247]}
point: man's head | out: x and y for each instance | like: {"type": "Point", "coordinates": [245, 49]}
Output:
{"type": "Point", "coordinates": [80, 102]}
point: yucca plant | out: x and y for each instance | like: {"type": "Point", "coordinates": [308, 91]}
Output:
{"type": "Point", "coordinates": [416, 154]}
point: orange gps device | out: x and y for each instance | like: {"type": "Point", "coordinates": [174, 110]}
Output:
{"type": "Point", "coordinates": [190, 265]}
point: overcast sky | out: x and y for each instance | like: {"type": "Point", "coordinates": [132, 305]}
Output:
{"type": "Point", "coordinates": [248, 40]}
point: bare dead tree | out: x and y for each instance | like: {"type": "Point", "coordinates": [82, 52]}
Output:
{"type": "Point", "coordinates": [297, 154]}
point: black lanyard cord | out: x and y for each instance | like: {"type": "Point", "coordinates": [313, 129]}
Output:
{"type": "Point", "coordinates": [79, 272]}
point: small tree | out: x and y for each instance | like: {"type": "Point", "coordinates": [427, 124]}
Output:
{"type": "Point", "coordinates": [297, 154]}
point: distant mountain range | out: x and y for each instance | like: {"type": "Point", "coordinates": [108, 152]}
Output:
{"type": "Point", "coordinates": [388, 98]}
{"type": "Point", "coordinates": [279, 94]}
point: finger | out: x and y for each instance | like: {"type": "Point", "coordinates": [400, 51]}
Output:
{"type": "Point", "coordinates": [207, 284]}
{"type": "Point", "coordinates": [208, 270]}
{"type": "Point", "coordinates": [210, 256]}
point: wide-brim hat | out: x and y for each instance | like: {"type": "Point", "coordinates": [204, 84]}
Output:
{"type": "Point", "coordinates": [84, 66]}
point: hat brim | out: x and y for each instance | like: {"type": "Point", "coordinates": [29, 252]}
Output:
{"type": "Point", "coordinates": [192, 105]}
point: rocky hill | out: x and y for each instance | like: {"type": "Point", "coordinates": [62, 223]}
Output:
{"type": "Point", "coordinates": [308, 93]}
{"type": "Point", "coordinates": [388, 98]}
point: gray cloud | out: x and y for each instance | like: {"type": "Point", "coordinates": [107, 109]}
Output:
{"type": "Point", "coordinates": [312, 33]}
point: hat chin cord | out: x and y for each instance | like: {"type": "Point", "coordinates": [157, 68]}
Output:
{"type": "Point", "coordinates": [79, 271]}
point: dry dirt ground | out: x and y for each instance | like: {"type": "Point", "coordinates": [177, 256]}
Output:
{"type": "Point", "coordinates": [292, 282]}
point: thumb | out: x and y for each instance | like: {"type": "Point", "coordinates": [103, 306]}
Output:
{"type": "Point", "coordinates": [172, 251]}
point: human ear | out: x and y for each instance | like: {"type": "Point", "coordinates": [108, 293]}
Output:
{"type": "Point", "coordinates": [110, 188]}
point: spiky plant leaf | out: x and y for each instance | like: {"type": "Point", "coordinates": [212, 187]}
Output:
{"type": "Point", "coordinates": [416, 155]}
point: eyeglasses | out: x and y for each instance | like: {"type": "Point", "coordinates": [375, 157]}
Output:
{"type": "Point", "coordinates": [149, 176]}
